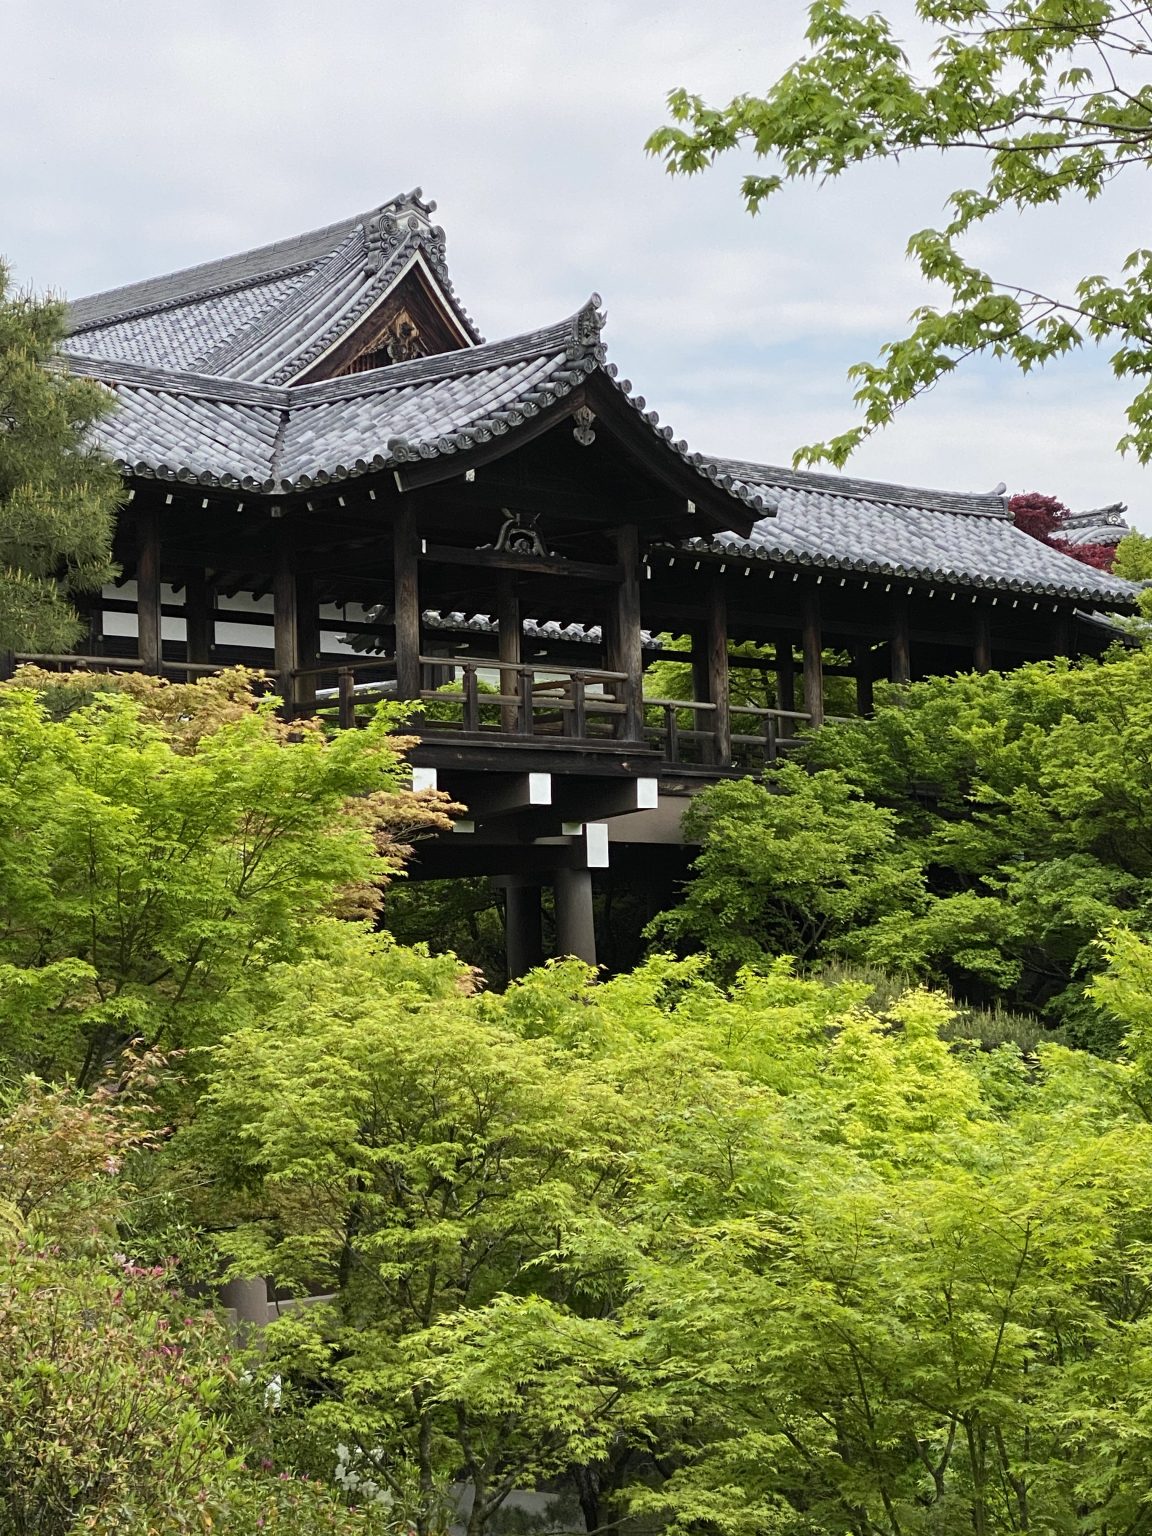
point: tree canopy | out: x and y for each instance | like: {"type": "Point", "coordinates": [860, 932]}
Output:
{"type": "Point", "coordinates": [58, 493]}
{"type": "Point", "coordinates": [1054, 102]}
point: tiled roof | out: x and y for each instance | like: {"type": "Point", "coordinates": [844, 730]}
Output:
{"type": "Point", "coordinates": [266, 315]}
{"type": "Point", "coordinates": [844, 524]}
{"type": "Point", "coordinates": [1101, 525]}
{"type": "Point", "coordinates": [195, 428]}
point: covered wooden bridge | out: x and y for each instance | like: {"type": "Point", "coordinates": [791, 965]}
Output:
{"type": "Point", "coordinates": [333, 477]}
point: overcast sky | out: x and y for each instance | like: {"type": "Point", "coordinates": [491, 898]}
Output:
{"type": "Point", "coordinates": [137, 137]}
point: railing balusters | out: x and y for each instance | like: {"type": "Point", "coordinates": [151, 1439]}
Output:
{"type": "Point", "coordinates": [346, 710]}
{"type": "Point", "coordinates": [672, 733]}
{"type": "Point", "coordinates": [527, 711]}
{"type": "Point", "coordinates": [471, 720]}
{"type": "Point", "coordinates": [578, 716]}
{"type": "Point", "coordinates": [771, 731]}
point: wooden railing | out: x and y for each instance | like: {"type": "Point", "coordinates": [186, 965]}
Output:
{"type": "Point", "coordinates": [545, 702]}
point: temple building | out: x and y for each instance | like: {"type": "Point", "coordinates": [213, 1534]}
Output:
{"type": "Point", "coordinates": [332, 476]}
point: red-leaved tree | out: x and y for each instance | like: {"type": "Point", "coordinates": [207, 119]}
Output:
{"type": "Point", "coordinates": [1043, 517]}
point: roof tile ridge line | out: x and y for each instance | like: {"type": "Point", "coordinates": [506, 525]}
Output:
{"type": "Point", "coordinates": [741, 548]}
{"type": "Point", "coordinates": [434, 248]}
{"type": "Point", "coordinates": [880, 493]}
{"type": "Point", "coordinates": [443, 365]}
{"type": "Point", "coordinates": [858, 489]}
{"type": "Point", "coordinates": [175, 381]}
{"type": "Point", "coordinates": [333, 266]}
{"type": "Point", "coordinates": [374, 292]}
{"type": "Point", "coordinates": [273, 247]}
{"type": "Point", "coordinates": [278, 445]}
{"type": "Point", "coordinates": [160, 306]}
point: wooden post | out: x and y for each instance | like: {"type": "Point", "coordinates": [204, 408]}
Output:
{"type": "Point", "coordinates": [307, 640]}
{"type": "Point", "coordinates": [406, 602]}
{"type": "Point", "coordinates": [624, 651]}
{"type": "Point", "coordinates": [150, 645]}
{"type": "Point", "coordinates": [575, 928]}
{"type": "Point", "coordinates": [717, 656]}
{"type": "Point", "coordinates": [982, 643]}
{"type": "Point", "coordinates": [523, 944]}
{"type": "Point", "coordinates": [346, 685]}
{"type": "Point", "coordinates": [862, 666]}
{"type": "Point", "coordinates": [510, 638]}
{"type": "Point", "coordinates": [785, 675]}
{"type": "Point", "coordinates": [285, 623]}
{"type": "Point", "coordinates": [813, 658]}
{"type": "Point", "coordinates": [899, 642]}
{"type": "Point", "coordinates": [1062, 634]}
{"type": "Point", "coordinates": [199, 619]}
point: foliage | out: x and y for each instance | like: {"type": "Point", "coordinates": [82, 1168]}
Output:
{"type": "Point", "coordinates": [1000, 814]}
{"type": "Point", "coordinates": [1134, 556]}
{"type": "Point", "coordinates": [58, 495]}
{"type": "Point", "coordinates": [788, 865]}
{"type": "Point", "coordinates": [122, 1402]}
{"type": "Point", "coordinates": [437, 1173]}
{"type": "Point", "coordinates": [1050, 100]}
{"type": "Point", "coordinates": [163, 847]}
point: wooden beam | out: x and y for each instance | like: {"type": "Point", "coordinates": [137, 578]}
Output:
{"type": "Point", "coordinates": [150, 645]}
{"type": "Point", "coordinates": [900, 649]}
{"type": "Point", "coordinates": [406, 602]}
{"type": "Point", "coordinates": [452, 466]}
{"type": "Point", "coordinates": [528, 565]}
{"type": "Point", "coordinates": [982, 640]}
{"type": "Point", "coordinates": [624, 650]}
{"type": "Point", "coordinates": [813, 657]}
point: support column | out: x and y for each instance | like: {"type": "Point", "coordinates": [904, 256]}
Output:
{"type": "Point", "coordinates": [248, 1298]}
{"type": "Point", "coordinates": [199, 619]}
{"type": "Point", "coordinates": [982, 641]}
{"type": "Point", "coordinates": [285, 624]}
{"type": "Point", "coordinates": [149, 643]}
{"type": "Point", "coordinates": [785, 675]}
{"type": "Point", "coordinates": [523, 944]}
{"type": "Point", "coordinates": [813, 658]}
{"type": "Point", "coordinates": [624, 651]}
{"type": "Point", "coordinates": [1062, 634]}
{"type": "Point", "coordinates": [510, 638]}
{"type": "Point", "coordinates": [406, 602]}
{"type": "Point", "coordinates": [862, 667]}
{"type": "Point", "coordinates": [716, 633]}
{"type": "Point", "coordinates": [900, 642]}
{"type": "Point", "coordinates": [575, 929]}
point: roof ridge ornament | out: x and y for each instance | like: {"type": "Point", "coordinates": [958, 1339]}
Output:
{"type": "Point", "coordinates": [587, 324]}
{"type": "Point", "coordinates": [583, 418]}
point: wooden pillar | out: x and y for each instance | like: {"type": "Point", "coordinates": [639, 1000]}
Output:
{"type": "Point", "coordinates": [575, 928]}
{"type": "Point", "coordinates": [716, 654]}
{"type": "Point", "coordinates": [899, 643]}
{"type": "Point", "coordinates": [785, 675]}
{"type": "Point", "coordinates": [624, 651]}
{"type": "Point", "coordinates": [406, 601]}
{"type": "Point", "coordinates": [982, 640]}
{"type": "Point", "coordinates": [149, 645]}
{"type": "Point", "coordinates": [523, 945]}
{"type": "Point", "coordinates": [199, 617]}
{"type": "Point", "coordinates": [862, 667]}
{"type": "Point", "coordinates": [285, 622]}
{"type": "Point", "coordinates": [813, 658]}
{"type": "Point", "coordinates": [307, 640]}
{"type": "Point", "coordinates": [511, 633]}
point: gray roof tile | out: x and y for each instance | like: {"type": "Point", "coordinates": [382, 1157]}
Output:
{"type": "Point", "coordinates": [845, 524]}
